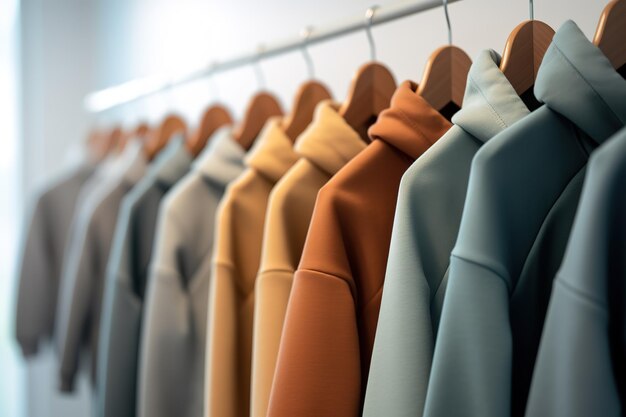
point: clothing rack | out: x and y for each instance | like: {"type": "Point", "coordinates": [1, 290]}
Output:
{"type": "Point", "coordinates": [130, 91]}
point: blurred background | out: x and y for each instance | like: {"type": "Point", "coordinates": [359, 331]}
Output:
{"type": "Point", "coordinates": [54, 52]}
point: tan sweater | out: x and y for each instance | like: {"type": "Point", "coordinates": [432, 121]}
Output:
{"type": "Point", "coordinates": [236, 258]}
{"type": "Point", "coordinates": [324, 147]}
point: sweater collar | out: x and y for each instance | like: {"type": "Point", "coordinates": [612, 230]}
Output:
{"type": "Point", "coordinates": [172, 162]}
{"type": "Point", "coordinates": [221, 161]}
{"type": "Point", "coordinates": [490, 104]}
{"type": "Point", "coordinates": [576, 80]}
{"type": "Point", "coordinates": [272, 154]}
{"type": "Point", "coordinates": [329, 142]}
{"type": "Point", "coordinates": [410, 124]}
{"type": "Point", "coordinates": [132, 163]}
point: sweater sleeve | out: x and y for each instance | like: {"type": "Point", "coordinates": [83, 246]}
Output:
{"type": "Point", "coordinates": [319, 346]}
{"type": "Point", "coordinates": [221, 364]}
{"type": "Point", "coordinates": [166, 333]}
{"type": "Point", "coordinates": [118, 366]}
{"type": "Point", "coordinates": [35, 287]}
{"type": "Point", "coordinates": [574, 374]}
{"type": "Point", "coordinates": [76, 298]}
{"type": "Point", "coordinates": [580, 364]}
{"type": "Point", "coordinates": [473, 354]}
{"type": "Point", "coordinates": [403, 348]}
{"type": "Point", "coordinates": [119, 330]}
{"type": "Point", "coordinates": [272, 295]}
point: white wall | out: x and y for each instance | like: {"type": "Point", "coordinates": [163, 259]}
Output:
{"type": "Point", "coordinates": [11, 377]}
{"type": "Point", "coordinates": [58, 67]}
{"type": "Point", "coordinates": [73, 46]}
{"type": "Point", "coordinates": [58, 41]}
{"type": "Point", "coordinates": [164, 36]}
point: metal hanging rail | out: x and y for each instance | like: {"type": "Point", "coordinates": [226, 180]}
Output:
{"type": "Point", "coordinates": [142, 87]}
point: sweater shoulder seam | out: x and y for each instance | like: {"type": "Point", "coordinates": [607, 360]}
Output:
{"type": "Point", "coordinates": [581, 294]}
{"type": "Point", "coordinates": [483, 266]}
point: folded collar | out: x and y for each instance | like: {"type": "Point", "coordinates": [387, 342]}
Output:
{"type": "Point", "coordinates": [410, 124]}
{"type": "Point", "coordinates": [577, 80]}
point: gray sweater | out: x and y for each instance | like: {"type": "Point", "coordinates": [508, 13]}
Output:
{"type": "Point", "coordinates": [84, 266]}
{"type": "Point", "coordinates": [522, 195]}
{"type": "Point", "coordinates": [426, 224]}
{"type": "Point", "coordinates": [173, 334]}
{"type": "Point", "coordinates": [126, 279]}
{"type": "Point", "coordinates": [42, 258]}
{"type": "Point", "coordinates": [580, 367]}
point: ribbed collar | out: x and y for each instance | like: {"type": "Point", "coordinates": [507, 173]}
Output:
{"type": "Point", "coordinates": [172, 162]}
{"type": "Point", "coordinates": [132, 163]}
{"type": "Point", "coordinates": [490, 104]}
{"type": "Point", "coordinates": [222, 160]}
{"type": "Point", "coordinates": [272, 154]}
{"type": "Point", "coordinates": [81, 157]}
{"type": "Point", "coordinates": [410, 124]}
{"type": "Point", "coordinates": [329, 142]}
{"type": "Point", "coordinates": [576, 80]}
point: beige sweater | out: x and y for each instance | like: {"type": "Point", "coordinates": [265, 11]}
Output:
{"type": "Point", "coordinates": [324, 147]}
{"type": "Point", "coordinates": [236, 258]}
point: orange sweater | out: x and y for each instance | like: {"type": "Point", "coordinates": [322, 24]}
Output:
{"type": "Point", "coordinates": [333, 307]}
{"type": "Point", "coordinates": [324, 148]}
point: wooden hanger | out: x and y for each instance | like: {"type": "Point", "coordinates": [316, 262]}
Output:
{"type": "Point", "coordinates": [445, 76]}
{"type": "Point", "coordinates": [123, 140]}
{"type": "Point", "coordinates": [213, 118]}
{"type": "Point", "coordinates": [114, 138]}
{"type": "Point", "coordinates": [443, 82]}
{"type": "Point", "coordinates": [370, 93]}
{"type": "Point", "coordinates": [371, 88]}
{"type": "Point", "coordinates": [261, 107]}
{"type": "Point", "coordinates": [98, 144]}
{"type": "Point", "coordinates": [140, 132]}
{"type": "Point", "coordinates": [308, 96]}
{"type": "Point", "coordinates": [610, 34]}
{"type": "Point", "coordinates": [523, 52]}
{"type": "Point", "coordinates": [157, 140]}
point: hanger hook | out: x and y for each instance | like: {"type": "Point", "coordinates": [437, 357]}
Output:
{"type": "Point", "coordinates": [260, 77]}
{"type": "Point", "coordinates": [531, 9]}
{"type": "Point", "coordinates": [369, 17]}
{"type": "Point", "coordinates": [306, 34]}
{"type": "Point", "coordinates": [445, 10]}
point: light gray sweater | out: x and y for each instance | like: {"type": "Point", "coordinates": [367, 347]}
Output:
{"type": "Point", "coordinates": [426, 224]}
{"type": "Point", "coordinates": [171, 369]}
{"type": "Point", "coordinates": [84, 266]}
{"type": "Point", "coordinates": [523, 191]}
{"type": "Point", "coordinates": [42, 257]}
{"type": "Point", "coordinates": [580, 367]}
{"type": "Point", "coordinates": [126, 279]}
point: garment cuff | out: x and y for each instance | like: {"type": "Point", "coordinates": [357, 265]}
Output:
{"type": "Point", "coordinates": [66, 384]}
{"type": "Point", "coordinates": [29, 349]}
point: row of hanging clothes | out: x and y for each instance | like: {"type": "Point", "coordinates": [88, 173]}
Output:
{"type": "Point", "coordinates": [448, 248]}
